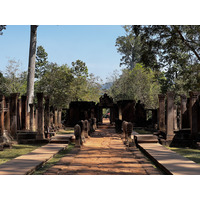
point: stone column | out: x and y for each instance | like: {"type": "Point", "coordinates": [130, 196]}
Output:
{"type": "Point", "coordinates": [24, 112]}
{"type": "Point", "coordinates": [47, 112]}
{"type": "Point", "coordinates": [19, 114]}
{"type": "Point", "coordinates": [7, 118]}
{"type": "Point", "coordinates": [161, 113]}
{"type": "Point", "coordinates": [31, 117]}
{"type": "Point", "coordinates": [2, 103]}
{"type": "Point", "coordinates": [36, 118]}
{"type": "Point", "coordinates": [184, 117]}
{"type": "Point", "coordinates": [60, 118]}
{"type": "Point", "coordinates": [170, 115]}
{"type": "Point", "coordinates": [55, 117]}
{"type": "Point", "coordinates": [40, 129]}
{"type": "Point", "coordinates": [13, 114]}
{"type": "Point", "coordinates": [193, 114]}
{"type": "Point", "coordinates": [175, 118]}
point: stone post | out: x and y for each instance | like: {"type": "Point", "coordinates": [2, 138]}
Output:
{"type": "Point", "coordinates": [175, 118]}
{"type": "Point", "coordinates": [7, 118]}
{"type": "Point", "coordinates": [24, 112]}
{"type": "Point", "coordinates": [59, 118]}
{"type": "Point", "coordinates": [31, 117]}
{"type": "Point", "coordinates": [161, 113]}
{"type": "Point", "coordinates": [184, 117]}
{"type": "Point", "coordinates": [19, 114]}
{"type": "Point", "coordinates": [170, 115]}
{"type": "Point", "coordinates": [193, 114]}
{"type": "Point", "coordinates": [55, 117]}
{"type": "Point", "coordinates": [40, 129]}
{"type": "Point", "coordinates": [2, 103]}
{"type": "Point", "coordinates": [77, 133]}
{"type": "Point", "coordinates": [36, 118]}
{"type": "Point", "coordinates": [13, 114]}
{"type": "Point", "coordinates": [47, 112]}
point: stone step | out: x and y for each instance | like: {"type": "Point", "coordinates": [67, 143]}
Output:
{"type": "Point", "coordinates": [146, 138]}
{"type": "Point", "coordinates": [65, 139]}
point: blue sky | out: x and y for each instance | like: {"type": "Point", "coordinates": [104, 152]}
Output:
{"type": "Point", "coordinates": [93, 44]}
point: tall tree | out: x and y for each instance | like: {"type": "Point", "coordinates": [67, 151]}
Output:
{"type": "Point", "coordinates": [31, 65]}
{"type": "Point", "coordinates": [79, 84]}
{"type": "Point", "coordinates": [41, 62]}
{"type": "Point", "coordinates": [2, 27]}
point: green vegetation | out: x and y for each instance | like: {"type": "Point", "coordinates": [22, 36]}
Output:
{"type": "Point", "coordinates": [192, 154]}
{"type": "Point", "coordinates": [53, 160]}
{"type": "Point", "coordinates": [138, 83]}
{"type": "Point", "coordinates": [17, 150]}
{"type": "Point", "coordinates": [171, 52]}
{"type": "Point", "coordinates": [69, 83]}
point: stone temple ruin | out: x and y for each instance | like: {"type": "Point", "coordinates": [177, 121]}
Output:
{"type": "Point", "coordinates": [174, 125]}
{"type": "Point", "coordinates": [16, 123]}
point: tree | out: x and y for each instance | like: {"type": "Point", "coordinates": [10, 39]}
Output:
{"type": "Point", "coordinates": [93, 88]}
{"type": "Point", "coordinates": [41, 62]}
{"type": "Point", "coordinates": [137, 84]}
{"type": "Point", "coordinates": [14, 80]}
{"type": "Point", "coordinates": [31, 65]}
{"type": "Point", "coordinates": [2, 27]}
{"type": "Point", "coordinates": [56, 83]}
{"type": "Point", "coordinates": [174, 49]}
{"type": "Point", "coordinates": [79, 84]}
{"type": "Point", "coordinates": [135, 49]}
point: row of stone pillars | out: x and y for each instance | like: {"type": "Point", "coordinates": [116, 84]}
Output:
{"type": "Point", "coordinates": [189, 114]}
{"type": "Point", "coordinates": [14, 115]}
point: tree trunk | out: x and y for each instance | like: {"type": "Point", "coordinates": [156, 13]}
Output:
{"type": "Point", "coordinates": [31, 65]}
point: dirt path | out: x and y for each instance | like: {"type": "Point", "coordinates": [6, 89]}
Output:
{"type": "Point", "coordinates": [103, 154]}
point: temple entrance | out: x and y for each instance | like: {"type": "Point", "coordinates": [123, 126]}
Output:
{"type": "Point", "coordinates": [106, 116]}
{"type": "Point", "coordinates": [106, 110]}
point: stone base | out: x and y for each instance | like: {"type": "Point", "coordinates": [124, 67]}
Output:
{"type": "Point", "coordinates": [40, 137]}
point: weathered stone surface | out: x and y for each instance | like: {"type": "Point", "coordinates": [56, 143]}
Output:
{"type": "Point", "coordinates": [170, 115]}
{"type": "Point", "coordinates": [40, 128]}
{"type": "Point", "coordinates": [194, 114]}
{"type": "Point", "coordinates": [13, 114]}
{"type": "Point", "coordinates": [77, 133]}
{"type": "Point", "coordinates": [161, 115]}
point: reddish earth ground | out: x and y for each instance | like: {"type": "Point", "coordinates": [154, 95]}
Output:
{"type": "Point", "coordinates": [102, 154]}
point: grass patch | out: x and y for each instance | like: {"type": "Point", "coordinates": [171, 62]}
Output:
{"type": "Point", "coordinates": [192, 154]}
{"type": "Point", "coordinates": [66, 131]}
{"type": "Point", "coordinates": [17, 150]}
{"type": "Point", "coordinates": [53, 160]}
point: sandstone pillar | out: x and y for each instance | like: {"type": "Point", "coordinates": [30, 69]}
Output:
{"type": "Point", "coordinates": [24, 112]}
{"type": "Point", "coordinates": [184, 113]}
{"type": "Point", "coordinates": [60, 118]}
{"type": "Point", "coordinates": [7, 118]}
{"type": "Point", "coordinates": [47, 112]}
{"type": "Point", "coordinates": [161, 113]}
{"type": "Point", "coordinates": [193, 114]}
{"type": "Point", "coordinates": [2, 103]}
{"type": "Point", "coordinates": [36, 118]}
{"type": "Point", "coordinates": [55, 117]}
{"type": "Point", "coordinates": [40, 128]}
{"type": "Point", "coordinates": [19, 114]}
{"type": "Point", "coordinates": [175, 118]}
{"type": "Point", "coordinates": [31, 116]}
{"type": "Point", "coordinates": [170, 115]}
{"type": "Point", "coordinates": [13, 114]}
